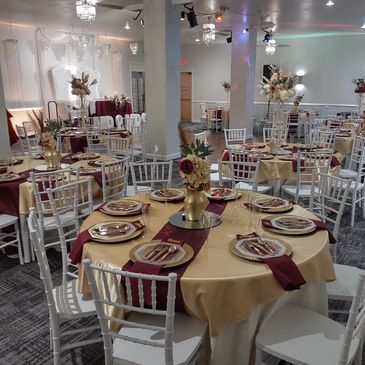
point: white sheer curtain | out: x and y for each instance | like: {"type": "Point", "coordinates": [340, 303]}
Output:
{"type": "Point", "coordinates": [12, 77]}
{"type": "Point", "coordinates": [60, 54]}
{"type": "Point", "coordinates": [117, 75]}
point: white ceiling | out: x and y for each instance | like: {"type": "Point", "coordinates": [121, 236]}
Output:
{"type": "Point", "coordinates": [292, 17]}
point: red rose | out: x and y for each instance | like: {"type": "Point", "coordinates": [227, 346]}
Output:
{"type": "Point", "coordinates": [186, 166]}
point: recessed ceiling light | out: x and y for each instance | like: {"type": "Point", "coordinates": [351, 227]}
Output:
{"type": "Point", "coordinates": [245, 30]}
{"type": "Point", "coordinates": [127, 26]}
{"type": "Point", "coordinates": [197, 39]}
{"type": "Point", "coordinates": [330, 3]}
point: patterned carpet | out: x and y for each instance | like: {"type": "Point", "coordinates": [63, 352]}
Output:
{"type": "Point", "coordinates": [24, 335]}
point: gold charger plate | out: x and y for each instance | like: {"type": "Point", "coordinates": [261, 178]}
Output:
{"type": "Point", "coordinates": [232, 195]}
{"type": "Point", "coordinates": [290, 232]}
{"type": "Point", "coordinates": [85, 156]}
{"type": "Point", "coordinates": [232, 247]}
{"type": "Point", "coordinates": [279, 209]}
{"type": "Point", "coordinates": [11, 161]}
{"type": "Point", "coordinates": [86, 171]}
{"type": "Point", "coordinates": [187, 253]}
{"type": "Point", "coordinates": [178, 194]}
{"type": "Point", "coordinates": [7, 177]}
{"type": "Point", "coordinates": [100, 162]}
{"type": "Point", "coordinates": [98, 237]}
{"type": "Point", "coordinates": [120, 207]}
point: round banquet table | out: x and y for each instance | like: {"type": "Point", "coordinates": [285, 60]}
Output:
{"type": "Point", "coordinates": [233, 295]}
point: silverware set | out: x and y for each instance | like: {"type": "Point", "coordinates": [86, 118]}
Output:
{"type": "Point", "coordinates": [112, 230]}
{"type": "Point", "coordinates": [261, 247]}
{"type": "Point", "coordinates": [160, 252]}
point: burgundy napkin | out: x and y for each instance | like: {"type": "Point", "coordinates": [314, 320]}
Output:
{"type": "Point", "coordinates": [68, 159]}
{"type": "Point", "coordinates": [335, 162]}
{"type": "Point", "coordinates": [295, 166]}
{"type": "Point", "coordinates": [76, 251]}
{"type": "Point", "coordinates": [283, 268]}
{"type": "Point", "coordinates": [225, 155]}
{"type": "Point", "coordinates": [98, 177]}
{"type": "Point", "coordinates": [319, 225]}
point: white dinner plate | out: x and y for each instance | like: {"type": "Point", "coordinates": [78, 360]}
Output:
{"type": "Point", "coordinates": [44, 167]}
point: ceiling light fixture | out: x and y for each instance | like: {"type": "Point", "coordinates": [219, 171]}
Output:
{"type": "Point", "coordinates": [218, 17]}
{"type": "Point", "coordinates": [103, 49]}
{"type": "Point", "coordinates": [127, 26]}
{"type": "Point", "coordinates": [208, 33]}
{"type": "Point", "coordinates": [197, 39]}
{"type": "Point", "coordinates": [245, 31]}
{"type": "Point", "coordinates": [86, 10]}
{"type": "Point", "coordinates": [267, 36]}
{"type": "Point", "coordinates": [330, 3]}
{"type": "Point", "coordinates": [134, 48]}
{"type": "Point", "coordinates": [270, 47]}
{"type": "Point", "coordinates": [142, 22]}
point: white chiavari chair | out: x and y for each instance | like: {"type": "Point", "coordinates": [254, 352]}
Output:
{"type": "Point", "coordinates": [242, 170]}
{"type": "Point", "coordinates": [300, 336]}
{"type": "Point", "coordinates": [214, 121]}
{"type": "Point", "coordinates": [119, 122]}
{"type": "Point", "coordinates": [155, 334]}
{"type": "Point", "coordinates": [64, 302]}
{"type": "Point", "coordinates": [147, 176]}
{"type": "Point", "coordinates": [33, 145]}
{"type": "Point", "coordinates": [275, 134]}
{"type": "Point", "coordinates": [10, 239]}
{"type": "Point", "coordinates": [118, 146]}
{"type": "Point", "coordinates": [129, 123]}
{"type": "Point", "coordinates": [293, 126]}
{"type": "Point", "coordinates": [95, 140]}
{"type": "Point", "coordinates": [40, 183]}
{"type": "Point", "coordinates": [234, 136]}
{"type": "Point", "coordinates": [356, 156]}
{"type": "Point", "coordinates": [95, 122]}
{"type": "Point", "coordinates": [106, 122]}
{"type": "Point", "coordinates": [143, 118]}
{"type": "Point", "coordinates": [335, 123]}
{"type": "Point", "coordinates": [307, 164]}
{"type": "Point", "coordinates": [327, 200]}
{"type": "Point", "coordinates": [323, 137]}
{"type": "Point", "coordinates": [138, 153]}
{"type": "Point", "coordinates": [202, 137]}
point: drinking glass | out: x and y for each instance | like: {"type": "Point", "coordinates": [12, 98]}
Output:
{"type": "Point", "coordinates": [146, 215]}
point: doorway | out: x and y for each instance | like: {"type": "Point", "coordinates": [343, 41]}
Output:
{"type": "Point", "coordinates": [186, 96]}
{"type": "Point", "coordinates": [138, 92]}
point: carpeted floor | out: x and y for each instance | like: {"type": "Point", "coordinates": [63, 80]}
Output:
{"type": "Point", "coordinates": [24, 330]}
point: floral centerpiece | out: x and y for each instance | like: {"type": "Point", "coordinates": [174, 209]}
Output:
{"type": "Point", "coordinates": [47, 140]}
{"type": "Point", "coordinates": [226, 85]}
{"type": "Point", "coordinates": [360, 85]}
{"type": "Point", "coordinates": [118, 100]}
{"type": "Point", "coordinates": [81, 87]}
{"type": "Point", "coordinates": [195, 171]}
{"type": "Point", "coordinates": [279, 87]}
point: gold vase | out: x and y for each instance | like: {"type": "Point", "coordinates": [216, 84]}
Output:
{"type": "Point", "coordinates": [52, 158]}
{"type": "Point", "coordinates": [194, 204]}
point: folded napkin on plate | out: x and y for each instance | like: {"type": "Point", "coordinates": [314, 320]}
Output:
{"type": "Point", "coordinates": [335, 162]}
{"type": "Point", "coordinates": [85, 236]}
{"type": "Point", "coordinates": [319, 225]}
{"type": "Point", "coordinates": [283, 268]}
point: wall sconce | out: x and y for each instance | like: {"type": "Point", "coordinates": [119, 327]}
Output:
{"type": "Point", "coordinates": [300, 86]}
{"type": "Point", "coordinates": [134, 48]}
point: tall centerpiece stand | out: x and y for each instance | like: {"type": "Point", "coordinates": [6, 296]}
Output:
{"type": "Point", "coordinates": [49, 133]}
{"type": "Point", "coordinates": [195, 171]}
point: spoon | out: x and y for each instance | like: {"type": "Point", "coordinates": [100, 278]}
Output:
{"type": "Point", "coordinates": [154, 252]}
{"type": "Point", "coordinates": [172, 249]}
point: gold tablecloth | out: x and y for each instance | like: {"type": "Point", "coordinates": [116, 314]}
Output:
{"type": "Point", "coordinates": [344, 145]}
{"type": "Point", "coordinates": [219, 287]}
{"type": "Point", "coordinates": [26, 196]}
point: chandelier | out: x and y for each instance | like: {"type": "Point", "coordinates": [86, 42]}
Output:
{"type": "Point", "coordinates": [86, 10]}
{"type": "Point", "coordinates": [208, 33]}
{"type": "Point", "coordinates": [103, 49]}
{"type": "Point", "coordinates": [270, 47]}
{"type": "Point", "coordinates": [134, 48]}
{"type": "Point", "coordinates": [84, 41]}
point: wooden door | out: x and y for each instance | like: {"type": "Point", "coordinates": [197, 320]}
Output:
{"type": "Point", "coordinates": [185, 90]}
{"type": "Point", "coordinates": [138, 92]}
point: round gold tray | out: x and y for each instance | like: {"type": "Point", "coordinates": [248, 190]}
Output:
{"type": "Point", "coordinates": [189, 253]}
{"type": "Point", "coordinates": [209, 220]}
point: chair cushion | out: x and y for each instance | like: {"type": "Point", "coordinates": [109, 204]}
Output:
{"type": "Point", "coordinates": [355, 186]}
{"type": "Point", "coordinates": [347, 174]}
{"type": "Point", "coordinates": [7, 220]}
{"type": "Point", "coordinates": [188, 335]}
{"type": "Point", "coordinates": [344, 287]}
{"type": "Point", "coordinates": [70, 303]}
{"type": "Point", "coordinates": [305, 190]}
{"type": "Point", "coordinates": [246, 186]}
{"type": "Point", "coordinates": [67, 219]}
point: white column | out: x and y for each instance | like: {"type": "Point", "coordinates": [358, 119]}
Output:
{"type": "Point", "coordinates": [243, 60]}
{"type": "Point", "coordinates": [4, 132]}
{"type": "Point", "coordinates": [162, 48]}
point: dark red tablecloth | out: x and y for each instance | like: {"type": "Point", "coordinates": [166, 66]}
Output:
{"type": "Point", "coordinates": [106, 107]}
{"type": "Point", "coordinates": [78, 144]}
{"type": "Point", "coordinates": [12, 135]}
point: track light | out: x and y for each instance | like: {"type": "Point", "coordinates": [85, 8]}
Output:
{"type": "Point", "coordinates": [229, 39]}
{"type": "Point", "coordinates": [245, 31]}
{"type": "Point", "coordinates": [330, 3]}
{"type": "Point", "coordinates": [142, 22]}
{"type": "Point", "coordinates": [218, 17]}
{"type": "Point", "coordinates": [192, 18]}
{"type": "Point", "coordinates": [267, 37]}
{"type": "Point", "coordinates": [182, 16]}
{"type": "Point", "coordinates": [127, 26]}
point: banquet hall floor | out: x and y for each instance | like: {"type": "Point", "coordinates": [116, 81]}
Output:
{"type": "Point", "coordinates": [24, 330]}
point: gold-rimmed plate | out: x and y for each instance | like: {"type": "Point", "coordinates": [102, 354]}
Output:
{"type": "Point", "coordinates": [11, 161]}
{"type": "Point", "coordinates": [86, 171]}
{"type": "Point", "coordinates": [259, 248]}
{"type": "Point", "coordinates": [272, 204]}
{"type": "Point", "coordinates": [143, 251]}
{"type": "Point", "coordinates": [123, 207]}
{"type": "Point", "coordinates": [167, 194]}
{"type": "Point", "coordinates": [85, 156]}
{"type": "Point", "coordinates": [221, 193]}
{"type": "Point", "coordinates": [113, 232]}
{"type": "Point", "coordinates": [291, 225]}
{"type": "Point", "coordinates": [100, 162]}
{"type": "Point", "coordinates": [44, 167]}
{"type": "Point", "coordinates": [7, 177]}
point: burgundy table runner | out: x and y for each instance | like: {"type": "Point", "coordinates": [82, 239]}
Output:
{"type": "Point", "coordinates": [195, 238]}
{"type": "Point", "coordinates": [283, 268]}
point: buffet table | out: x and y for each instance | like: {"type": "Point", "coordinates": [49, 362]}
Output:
{"type": "Point", "coordinates": [233, 295]}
